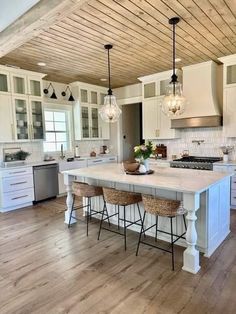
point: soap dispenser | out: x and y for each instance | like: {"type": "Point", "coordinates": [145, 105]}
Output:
{"type": "Point", "coordinates": [77, 151]}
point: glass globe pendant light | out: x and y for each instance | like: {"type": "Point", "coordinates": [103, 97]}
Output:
{"type": "Point", "coordinates": [109, 112]}
{"type": "Point", "coordinates": [174, 102]}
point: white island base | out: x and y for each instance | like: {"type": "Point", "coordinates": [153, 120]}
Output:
{"type": "Point", "coordinates": [205, 195]}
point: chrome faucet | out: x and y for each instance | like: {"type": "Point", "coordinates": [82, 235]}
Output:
{"type": "Point", "coordinates": [62, 156]}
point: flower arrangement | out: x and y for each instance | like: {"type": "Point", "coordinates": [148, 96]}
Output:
{"type": "Point", "coordinates": [226, 149]}
{"type": "Point", "coordinates": [143, 151]}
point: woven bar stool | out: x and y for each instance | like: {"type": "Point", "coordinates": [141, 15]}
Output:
{"type": "Point", "coordinates": [88, 191]}
{"type": "Point", "coordinates": [165, 208]}
{"type": "Point", "coordinates": [120, 198]}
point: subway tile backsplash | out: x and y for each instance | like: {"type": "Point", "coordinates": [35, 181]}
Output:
{"type": "Point", "coordinates": [213, 139]}
{"type": "Point", "coordinates": [37, 154]}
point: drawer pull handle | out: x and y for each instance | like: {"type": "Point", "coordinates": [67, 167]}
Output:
{"type": "Point", "coordinates": [17, 172]}
{"type": "Point", "coordinates": [22, 182]}
{"type": "Point", "coordinates": [97, 161]}
{"type": "Point", "coordinates": [16, 198]}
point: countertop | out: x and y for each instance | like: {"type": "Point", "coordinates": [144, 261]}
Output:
{"type": "Point", "coordinates": [56, 161]}
{"type": "Point", "coordinates": [174, 179]}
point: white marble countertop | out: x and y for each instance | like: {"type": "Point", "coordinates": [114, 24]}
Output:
{"type": "Point", "coordinates": [27, 164]}
{"type": "Point", "coordinates": [181, 180]}
{"type": "Point", "coordinates": [16, 165]}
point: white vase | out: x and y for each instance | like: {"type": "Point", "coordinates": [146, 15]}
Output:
{"type": "Point", "coordinates": [146, 164]}
{"type": "Point", "coordinates": [225, 157]}
{"type": "Point", "coordinates": [142, 169]}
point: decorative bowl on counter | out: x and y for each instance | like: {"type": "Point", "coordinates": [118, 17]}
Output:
{"type": "Point", "coordinates": [130, 165]}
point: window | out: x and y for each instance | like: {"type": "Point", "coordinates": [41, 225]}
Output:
{"type": "Point", "coordinates": [57, 130]}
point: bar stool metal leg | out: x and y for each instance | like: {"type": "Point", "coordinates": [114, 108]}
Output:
{"type": "Point", "coordinates": [124, 227]}
{"type": "Point", "coordinates": [141, 231]}
{"type": "Point", "coordinates": [88, 213]}
{"type": "Point", "coordinates": [172, 244]}
{"type": "Point", "coordinates": [118, 217]}
{"type": "Point", "coordinates": [72, 208]}
{"type": "Point", "coordinates": [156, 228]}
{"type": "Point", "coordinates": [185, 225]}
{"type": "Point", "coordinates": [101, 221]}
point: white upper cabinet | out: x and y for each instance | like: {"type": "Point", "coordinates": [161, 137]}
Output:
{"type": "Point", "coordinates": [19, 83]}
{"type": "Point", "coordinates": [229, 95]}
{"type": "Point", "coordinates": [156, 125]}
{"type": "Point", "coordinates": [6, 119]}
{"type": "Point", "coordinates": [87, 122]}
{"type": "Point", "coordinates": [4, 82]}
{"type": "Point", "coordinates": [20, 104]}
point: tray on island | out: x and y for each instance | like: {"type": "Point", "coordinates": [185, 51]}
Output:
{"type": "Point", "coordinates": [139, 173]}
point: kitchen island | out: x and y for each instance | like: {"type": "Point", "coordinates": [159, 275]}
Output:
{"type": "Point", "coordinates": [205, 196]}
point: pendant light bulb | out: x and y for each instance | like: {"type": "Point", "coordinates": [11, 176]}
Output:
{"type": "Point", "coordinates": [110, 111]}
{"type": "Point", "coordinates": [174, 102]}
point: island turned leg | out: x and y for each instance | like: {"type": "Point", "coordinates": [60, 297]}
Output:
{"type": "Point", "coordinates": [191, 203]}
{"type": "Point", "coordinates": [69, 200]}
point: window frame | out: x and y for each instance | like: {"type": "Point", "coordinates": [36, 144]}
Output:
{"type": "Point", "coordinates": [69, 124]}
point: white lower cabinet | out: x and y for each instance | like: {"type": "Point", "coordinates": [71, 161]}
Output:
{"type": "Point", "coordinates": [17, 188]}
{"type": "Point", "coordinates": [231, 169]}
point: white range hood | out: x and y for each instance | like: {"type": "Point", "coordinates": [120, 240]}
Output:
{"type": "Point", "coordinates": [200, 90]}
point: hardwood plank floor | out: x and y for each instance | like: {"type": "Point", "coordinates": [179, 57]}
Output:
{"type": "Point", "coordinates": [47, 268]}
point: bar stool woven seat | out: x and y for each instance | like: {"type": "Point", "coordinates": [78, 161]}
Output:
{"type": "Point", "coordinates": [120, 198]}
{"type": "Point", "coordinates": [164, 208]}
{"type": "Point", "coordinates": [82, 189]}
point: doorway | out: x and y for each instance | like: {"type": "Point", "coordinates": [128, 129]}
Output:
{"type": "Point", "coordinates": [131, 129]}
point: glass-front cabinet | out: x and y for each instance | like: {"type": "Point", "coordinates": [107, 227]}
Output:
{"type": "Point", "coordinates": [85, 121]}
{"type": "Point", "coordinates": [4, 82]}
{"type": "Point", "coordinates": [21, 118]}
{"type": "Point", "coordinates": [94, 123]}
{"type": "Point", "coordinates": [34, 86]}
{"type": "Point", "coordinates": [36, 119]}
{"type": "Point", "coordinates": [18, 84]}
{"type": "Point", "coordinates": [90, 126]}
{"type": "Point", "coordinates": [21, 104]}
{"type": "Point", "coordinates": [28, 116]}
{"type": "Point", "coordinates": [89, 122]}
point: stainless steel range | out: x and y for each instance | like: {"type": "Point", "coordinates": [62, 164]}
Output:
{"type": "Point", "coordinates": [192, 162]}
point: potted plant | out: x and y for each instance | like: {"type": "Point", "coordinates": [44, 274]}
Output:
{"type": "Point", "coordinates": [21, 155]}
{"type": "Point", "coordinates": [226, 150]}
{"type": "Point", "coordinates": [143, 152]}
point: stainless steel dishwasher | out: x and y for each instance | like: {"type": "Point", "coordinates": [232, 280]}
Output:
{"type": "Point", "coordinates": [45, 181]}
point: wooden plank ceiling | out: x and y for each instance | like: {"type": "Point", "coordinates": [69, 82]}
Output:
{"type": "Point", "coordinates": [73, 49]}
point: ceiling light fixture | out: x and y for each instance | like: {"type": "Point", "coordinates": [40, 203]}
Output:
{"type": "Point", "coordinates": [46, 90]}
{"type": "Point", "coordinates": [173, 103]}
{"type": "Point", "coordinates": [177, 60]}
{"type": "Point", "coordinates": [71, 98]}
{"type": "Point", "coordinates": [41, 64]}
{"type": "Point", "coordinates": [109, 112]}
{"type": "Point", "coordinates": [103, 79]}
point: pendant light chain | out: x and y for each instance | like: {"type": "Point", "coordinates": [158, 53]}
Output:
{"type": "Point", "coordinates": [109, 72]}
{"type": "Point", "coordinates": [174, 79]}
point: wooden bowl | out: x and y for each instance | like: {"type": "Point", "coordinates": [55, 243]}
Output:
{"type": "Point", "coordinates": [130, 166]}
